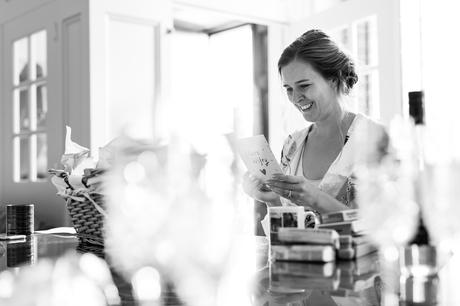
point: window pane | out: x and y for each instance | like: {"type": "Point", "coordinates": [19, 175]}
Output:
{"type": "Point", "coordinates": [42, 159]}
{"type": "Point", "coordinates": [21, 59]}
{"type": "Point", "coordinates": [42, 106]}
{"type": "Point", "coordinates": [22, 111]}
{"type": "Point", "coordinates": [367, 94]}
{"type": "Point", "coordinates": [366, 42]}
{"type": "Point", "coordinates": [342, 37]}
{"type": "Point", "coordinates": [363, 43]}
{"type": "Point", "coordinates": [364, 94]}
{"type": "Point", "coordinates": [38, 54]}
{"type": "Point", "coordinates": [22, 160]}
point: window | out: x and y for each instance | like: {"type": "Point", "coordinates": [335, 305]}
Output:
{"type": "Point", "coordinates": [30, 108]}
{"type": "Point", "coordinates": [360, 38]}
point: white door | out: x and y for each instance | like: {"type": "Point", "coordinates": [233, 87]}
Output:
{"type": "Point", "coordinates": [129, 68]}
{"type": "Point", "coordinates": [31, 132]}
{"type": "Point", "coordinates": [370, 30]}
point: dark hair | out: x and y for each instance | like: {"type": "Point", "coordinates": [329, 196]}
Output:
{"type": "Point", "coordinates": [316, 48]}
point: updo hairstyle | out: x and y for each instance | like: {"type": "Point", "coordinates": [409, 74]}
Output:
{"type": "Point", "coordinates": [316, 48]}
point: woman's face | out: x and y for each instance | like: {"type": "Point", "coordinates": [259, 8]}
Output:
{"type": "Point", "coordinates": [314, 96]}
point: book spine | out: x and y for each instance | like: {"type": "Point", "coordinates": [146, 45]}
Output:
{"type": "Point", "coordinates": [345, 228]}
{"type": "Point", "coordinates": [319, 283]}
{"type": "Point", "coordinates": [346, 253]}
{"type": "Point", "coordinates": [304, 269]}
{"type": "Point", "coordinates": [341, 229]}
{"type": "Point", "coordinates": [359, 240]}
{"type": "Point", "coordinates": [345, 241]}
{"type": "Point", "coordinates": [325, 236]}
{"type": "Point", "coordinates": [303, 253]}
{"type": "Point", "coordinates": [364, 249]}
{"type": "Point", "coordinates": [346, 215]}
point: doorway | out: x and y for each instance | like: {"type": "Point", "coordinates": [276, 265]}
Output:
{"type": "Point", "coordinates": [219, 86]}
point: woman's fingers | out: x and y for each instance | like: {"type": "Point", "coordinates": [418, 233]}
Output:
{"type": "Point", "coordinates": [288, 185]}
{"type": "Point", "coordinates": [285, 193]}
{"type": "Point", "coordinates": [288, 178]}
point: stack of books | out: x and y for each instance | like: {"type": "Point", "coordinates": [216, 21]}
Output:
{"type": "Point", "coordinates": [310, 245]}
{"type": "Point", "coordinates": [353, 242]}
{"type": "Point", "coordinates": [359, 278]}
{"type": "Point", "coordinates": [300, 275]}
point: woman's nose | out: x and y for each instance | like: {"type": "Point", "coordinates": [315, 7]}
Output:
{"type": "Point", "coordinates": [297, 96]}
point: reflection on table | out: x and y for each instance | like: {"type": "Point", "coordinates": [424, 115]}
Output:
{"type": "Point", "coordinates": [353, 282]}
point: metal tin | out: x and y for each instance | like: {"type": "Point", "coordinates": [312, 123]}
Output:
{"type": "Point", "coordinates": [20, 219]}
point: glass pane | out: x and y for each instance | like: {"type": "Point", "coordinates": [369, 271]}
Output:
{"type": "Point", "coordinates": [366, 42]}
{"type": "Point", "coordinates": [42, 106]}
{"type": "Point", "coordinates": [21, 59]}
{"type": "Point", "coordinates": [22, 111]}
{"type": "Point", "coordinates": [364, 97]}
{"type": "Point", "coordinates": [42, 157]}
{"type": "Point", "coordinates": [22, 160]}
{"type": "Point", "coordinates": [363, 43]}
{"type": "Point", "coordinates": [342, 37]}
{"type": "Point", "coordinates": [38, 54]}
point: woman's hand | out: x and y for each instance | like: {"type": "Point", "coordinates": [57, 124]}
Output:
{"type": "Point", "coordinates": [299, 191]}
{"type": "Point", "coordinates": [296, 189]}
{"type": "Point", "coordinates": [256, 189]}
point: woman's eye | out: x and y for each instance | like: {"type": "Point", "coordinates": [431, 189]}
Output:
{"type": "Point", "coordinates": [289, 90]}
{"type": "Point", "coordinates": [305, 86]}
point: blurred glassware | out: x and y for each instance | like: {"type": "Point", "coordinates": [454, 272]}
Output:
{"type": "Point", "coordinates": [386, 196]}
{"type": "Point", "coordinates": [441, 209]}
{"type": "Point", "coordinates": [164, 225]}
{"type": "Point", "coordinates": [70, 280]}
{"type": "Point", "coordinates": [419, 279]}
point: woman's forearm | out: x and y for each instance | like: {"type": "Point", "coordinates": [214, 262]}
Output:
{"type": "Point", "coordinates": [325, 203]}
{"type": "Point", "coordinates": [276, 202]}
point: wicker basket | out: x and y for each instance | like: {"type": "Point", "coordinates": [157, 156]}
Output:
{"type": "Point", "coordinates": [85, 206]}
{"type": "Point", "coordinates": [86, 215]}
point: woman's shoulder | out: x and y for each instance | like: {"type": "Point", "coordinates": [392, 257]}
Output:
{"type": "Point", "coordinates": [370, 133]}
{"type": "Point", "coordinates": [364, 123]}
{"type": "Point", "coordinates": [365, 118]}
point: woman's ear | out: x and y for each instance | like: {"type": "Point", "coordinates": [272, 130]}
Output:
{"type": "Point", "coordinates": [334, 83]}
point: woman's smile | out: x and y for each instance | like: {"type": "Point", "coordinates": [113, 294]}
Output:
{"type": "Point", "coordinates": [305, 107]}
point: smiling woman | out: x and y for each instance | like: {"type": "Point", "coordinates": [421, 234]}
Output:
{"type": "Point", "coordinates": [318, 161]}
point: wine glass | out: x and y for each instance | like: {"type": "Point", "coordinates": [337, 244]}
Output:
{"type": "Point", "coordinates": [163, 225]}
{"type": "Point", "coordinates": [386, 196]}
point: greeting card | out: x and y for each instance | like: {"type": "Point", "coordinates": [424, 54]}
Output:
{"type": "Point", "coordinates": [258, 157]}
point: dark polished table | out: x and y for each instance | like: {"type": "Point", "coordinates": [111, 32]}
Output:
{"type": "Point", "coordinates": [355, 282]}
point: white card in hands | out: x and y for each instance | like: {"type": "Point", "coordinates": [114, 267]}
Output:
{"type": "Point", "coordinates": [258, 157]}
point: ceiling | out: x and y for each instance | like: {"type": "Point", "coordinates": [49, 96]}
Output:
{"type": "Point", "coordinates": [203, 21]}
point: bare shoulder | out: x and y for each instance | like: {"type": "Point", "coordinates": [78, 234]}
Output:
{"type": "Point", "coordinates": [368, 133]}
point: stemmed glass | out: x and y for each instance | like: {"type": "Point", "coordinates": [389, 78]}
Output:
{"type": "Point", "coordinates": [442, 212]}
{"type": "Point", "coordinates": [163, 226]}
{"type": "Point", "coordinates": [386, 196]}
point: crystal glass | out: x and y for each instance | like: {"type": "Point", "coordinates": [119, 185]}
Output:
{"type": "Point", "coordinates": [386, 197]}
{"type": "Point", "coordinates": [440, 208]}
{"type": "Point", "coordinates": [163, 225]}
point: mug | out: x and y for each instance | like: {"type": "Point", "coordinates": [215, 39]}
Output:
{"type": "Point", "coordinates": [289, 216]}
{"type": "Point", "coordinates": [20, 219]}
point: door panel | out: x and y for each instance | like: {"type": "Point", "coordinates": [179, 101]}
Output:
{"type": "Point", "coordinates": [31, 133]}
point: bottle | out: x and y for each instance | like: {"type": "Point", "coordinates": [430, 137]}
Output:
{"type": "Point", "coordinates": [417, 114]}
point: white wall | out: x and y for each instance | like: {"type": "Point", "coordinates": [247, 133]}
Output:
{"type": "Point", "coordinates": [440, 75]}
{"type": "Point", "coordinates": [258, 11]}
